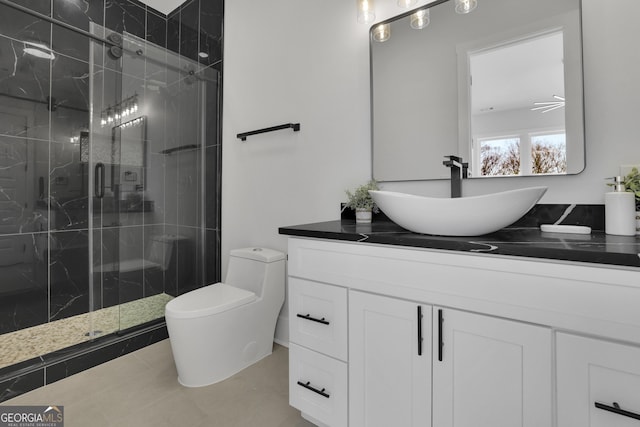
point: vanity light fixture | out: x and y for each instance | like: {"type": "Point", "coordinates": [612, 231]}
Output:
{"type": "Point", "coordinates": [109, 116]}
{"type": "Point", "coordinates": [465, 6]}
{"type": "Point", "coordinates": [119, 111]}
{"type": "Point", "coordinates": [366, 11]}
{"type": "Point", "coordinates": [130, 123]}
{"type": "Point", "coordinates": [545, 107]}
{"type": "Point", "coordinates": [406, 3]}
{"type": "Point", "coordinates": [382, 32]}
{"type": "Point", "coordinates": [39, 50]}
{"type": "Point", "coordinates": [420, 19]}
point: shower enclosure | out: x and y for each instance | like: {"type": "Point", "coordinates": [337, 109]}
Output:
{"type": "Point", "coordinates": [109, 178]}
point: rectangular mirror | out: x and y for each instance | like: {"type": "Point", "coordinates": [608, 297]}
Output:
{"type": "Point", "coordinates": [499, 86]}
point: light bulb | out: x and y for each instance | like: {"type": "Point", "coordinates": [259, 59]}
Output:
{"type": "Point", "coordinates": [366, 11]}
{"type": "Point", "coordinates": [420, 19]}
{"type": "Point", "coordinates": [465, 6]}
{"type": "Point", "coordinates": [406, 3]}
{"type": "Point", "coordinates": [382, 32]}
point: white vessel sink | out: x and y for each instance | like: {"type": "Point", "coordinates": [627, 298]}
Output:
{"type": "Point", "coordinates": [463, 216]}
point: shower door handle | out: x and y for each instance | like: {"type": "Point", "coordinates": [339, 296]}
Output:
{"type": "Point", "coordinates": [98, 180]}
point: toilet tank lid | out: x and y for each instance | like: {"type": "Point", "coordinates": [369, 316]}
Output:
{"type": "Point", "coordinates": [258, 254]}
{"type": "Point", "coordinates": [208, 300]}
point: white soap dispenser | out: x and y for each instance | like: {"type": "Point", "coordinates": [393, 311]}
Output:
{"type": "Point", "coordinates": [619, 210]}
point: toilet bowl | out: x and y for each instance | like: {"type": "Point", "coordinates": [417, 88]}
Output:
{"type": "Point", "coordinates": [220, 329]}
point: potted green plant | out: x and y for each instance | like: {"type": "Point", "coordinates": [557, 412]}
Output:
{"type": "Point", "coordinates": [360, 200]}
{"type": "Point", "coordinates": [631, 182]}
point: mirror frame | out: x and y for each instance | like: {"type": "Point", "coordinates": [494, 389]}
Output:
{"type": "Point", "coordinates": [464, 124]}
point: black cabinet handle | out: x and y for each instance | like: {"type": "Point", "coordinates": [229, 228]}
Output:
{"type": "Point", "coordinates": [440, 339]}
{"type": "Point", "coordinates": [313, 389]}
{"type": "Point", "coordinates": [616, 409]}
{"type": "Point", "coordinates": [98, 180]}
{"type": "Point", "coordinates": [419, 330]}
{"type": "Point", "coordinates": [313, 319]}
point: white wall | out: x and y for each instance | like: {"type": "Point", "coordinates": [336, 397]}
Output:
{"type": "Point", "coordinates": [308, 61]}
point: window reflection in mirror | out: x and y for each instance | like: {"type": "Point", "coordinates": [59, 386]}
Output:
{"type": "Point", "coordinates": [523, 82]}
{"type": "Point", "coordinates": [527, 154]}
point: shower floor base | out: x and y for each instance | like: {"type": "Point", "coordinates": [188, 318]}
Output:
{"type": "Point", "coordinates": [25, 344]}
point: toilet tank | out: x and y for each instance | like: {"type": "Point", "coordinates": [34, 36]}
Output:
{"type": "Point", "coordinates": [253, 268]}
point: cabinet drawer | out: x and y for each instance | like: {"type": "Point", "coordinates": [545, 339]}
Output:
{"type": "Point", "coordinates": [598, 383]}
{"type": "Point", "coordinates": [318, 317]}
{"type": "Point", "coordinates": [318, 386]}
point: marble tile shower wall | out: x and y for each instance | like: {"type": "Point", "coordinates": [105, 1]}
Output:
{"type": "Point", "coordinates": [44, 196]}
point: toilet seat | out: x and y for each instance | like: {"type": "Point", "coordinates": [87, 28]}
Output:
{"type": "Point", "coordinates": [208, 300]}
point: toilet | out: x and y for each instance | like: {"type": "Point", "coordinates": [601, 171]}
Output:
{"type": "Point", "coordinates": [220, 329]}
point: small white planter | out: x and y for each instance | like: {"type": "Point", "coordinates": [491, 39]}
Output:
{"type": "Point", "coordinates": [363, 216]}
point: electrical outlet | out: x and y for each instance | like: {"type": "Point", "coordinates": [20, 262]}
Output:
{"type": "Point", "coordinates": [625, 169]}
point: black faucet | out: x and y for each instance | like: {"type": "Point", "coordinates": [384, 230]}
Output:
{"type": "Point", "coordinates": [459, 171]}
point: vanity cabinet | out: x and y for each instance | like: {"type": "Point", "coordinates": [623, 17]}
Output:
{"type": "Point", "coordinates": [318, 351]}
{"type": "Point", "coordinates": [501, 338]}
{"type": "Point", "coordinates": [389, 362]}
{"type": "Point", "coordinates": [490, 372]}
{"type": "Point", "coordinates": [598, 382]}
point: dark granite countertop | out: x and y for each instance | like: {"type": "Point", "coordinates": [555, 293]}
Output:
{"type": "Point", "coordinates": [597, 247]}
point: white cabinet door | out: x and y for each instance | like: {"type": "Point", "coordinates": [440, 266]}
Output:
{"type": "Point", "coordinates": [592, 371]}
{"type": "Point", "coordinates": [389, 362]}
{"type": "Point", "coordinates": [490, 372]}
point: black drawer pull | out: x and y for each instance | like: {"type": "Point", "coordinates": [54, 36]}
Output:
{"type": "Point", "coordinates": [616, 409]}
{"type": "Point", "coordinates": [313, 319]}
{"type": "Point", "coordinates": [313, 389]}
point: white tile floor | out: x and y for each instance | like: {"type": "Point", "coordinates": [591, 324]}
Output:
{"type": "Point", "coordinates": [141, 390]}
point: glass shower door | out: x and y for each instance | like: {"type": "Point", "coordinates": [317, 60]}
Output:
{"type": "Point", "coordinates": [144, 250]}
{"type": "Point", "coordinates": [100, 152]}
{"type": "Point", "coordinates": [118, 156]}
{"type": "Point", "coordinates": [146, 162]}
